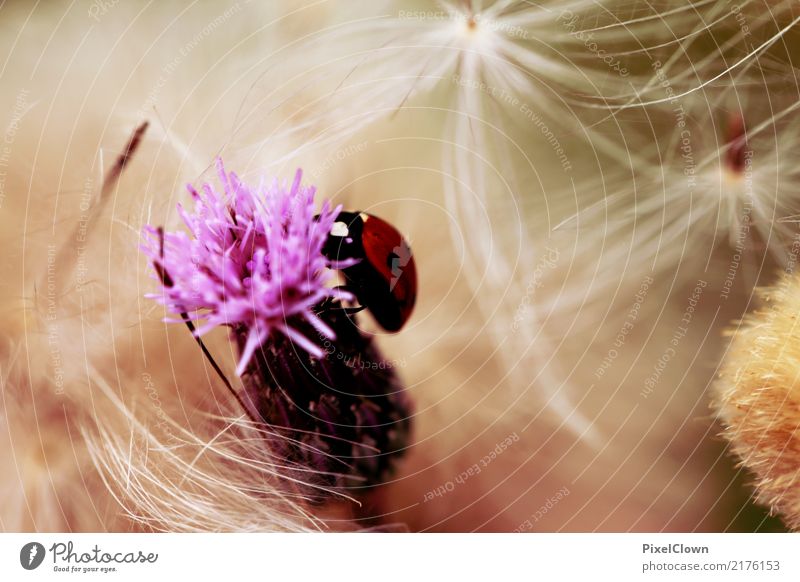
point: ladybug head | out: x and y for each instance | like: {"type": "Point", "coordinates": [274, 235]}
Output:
{"type": "Point", "coordinates": [345, 239]}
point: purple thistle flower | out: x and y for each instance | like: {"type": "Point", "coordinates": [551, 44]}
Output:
{"type": "Point", "coordinates": [252, 260]}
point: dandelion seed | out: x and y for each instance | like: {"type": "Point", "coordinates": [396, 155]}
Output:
{"type": "Point", "coordinates": [724, 178]}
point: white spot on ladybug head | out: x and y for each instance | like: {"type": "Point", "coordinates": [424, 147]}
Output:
{"type": "Point", "coordinates": [339, 229]}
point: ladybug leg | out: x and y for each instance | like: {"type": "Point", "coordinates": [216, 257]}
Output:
{"type": "Point", "coordinates": [324, 306]}
{"type": "Point", "coordinates": [332, 304]}
{"type": "Point", "coordinates": [328, 305]}
{"type": "Point", "coordinates": [350, 310]}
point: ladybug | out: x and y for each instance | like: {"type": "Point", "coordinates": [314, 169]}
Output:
{"type": "Point", "coordinates": [384, 280]}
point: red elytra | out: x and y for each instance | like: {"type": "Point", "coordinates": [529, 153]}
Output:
{"type": "Point", "coordinates": [385, 278]}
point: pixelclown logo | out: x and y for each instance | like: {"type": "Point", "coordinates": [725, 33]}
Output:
{"type": "Point", "coordinates": [31, 555]}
